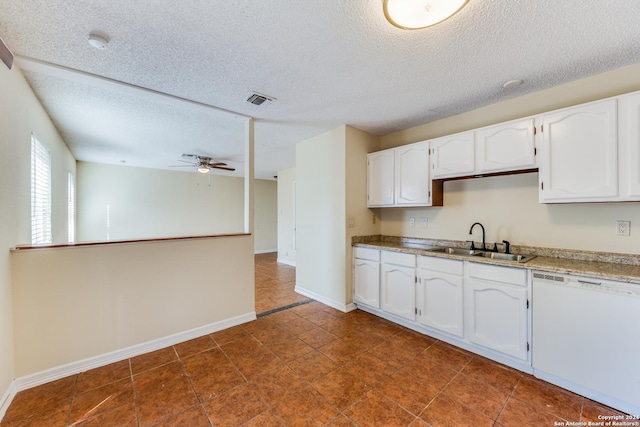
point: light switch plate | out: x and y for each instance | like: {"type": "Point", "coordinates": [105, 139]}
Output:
{"type": "Point", "coordinates": [412, 222]}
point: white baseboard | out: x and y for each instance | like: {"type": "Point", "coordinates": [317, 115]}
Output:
{"type": "Point", "coordinates": [345, 308]}
{"type": "Point", "coordinates": [42, 377]}
{"type": "Point", "coordinates": [286, 262]}
{"type": "Point", "coordinates": [265, 251]}
{"type": "Point", "coordinates": [7, 398]}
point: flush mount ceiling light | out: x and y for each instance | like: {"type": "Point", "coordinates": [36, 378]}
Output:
{"type": "Point", "coordinates": [98, 41]}
{"type": "Point", "coordinates": [512, 83]}
{"type": "Point", "coordinates": [416, 14]}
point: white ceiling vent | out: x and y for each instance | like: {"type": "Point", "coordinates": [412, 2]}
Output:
{"type": "Point", "coordinates": [259, 99]}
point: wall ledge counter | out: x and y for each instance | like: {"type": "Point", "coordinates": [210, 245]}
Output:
{"type": "Point", "coordinates": [20, 248]}
{"type": "Point", "coordinates": [605, 265]}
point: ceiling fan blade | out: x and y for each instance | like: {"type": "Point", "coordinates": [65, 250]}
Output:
{"type": "Point", "coordinates": [191, 163]}
{"type": "Point", "coordinates": [189, 155]}
{"type": "Point", "coordinates": [217, 164]}
{"type": "Point", "coordinates": [222, 167]}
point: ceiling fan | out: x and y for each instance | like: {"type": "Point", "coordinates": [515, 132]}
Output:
{"type": "Point", "coordinates": [203, 163]}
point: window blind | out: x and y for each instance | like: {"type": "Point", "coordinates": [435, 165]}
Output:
{"type": "Point", "coordinates": [71, 208]}
{"type": "Point", "coordinates": [40, 192]}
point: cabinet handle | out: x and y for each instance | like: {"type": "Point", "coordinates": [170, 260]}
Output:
{"type": "Point", "coordinates": [586, 282]}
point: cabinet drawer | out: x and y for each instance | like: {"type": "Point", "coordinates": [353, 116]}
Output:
{"type": "Point", "coordinates": [398, 258]}
{"type": "Point", "coordinates": [512, 276]}
{"type": "Point", "coordinates": [366, 253]}
{"type": "Point", "coordinates": [450, 266]}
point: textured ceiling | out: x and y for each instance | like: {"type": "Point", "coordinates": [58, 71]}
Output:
{"type": "Point", "coordinates": [328, 62]}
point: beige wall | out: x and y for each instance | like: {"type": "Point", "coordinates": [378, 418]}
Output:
{"type": "Point", "coordinates": [320, 195]}
{"type": "Point", "coordinates": [266, 215]}
{"type": "Point", "coordinates": [149, 203]}
{"type": "Point", "coordinates": [331, 172]}
{"type": "Point", "coordinates": [358, 144]}
{"type": "Point", "coordinates": [20, 115]}
{"type": "Point", "coordinates": [508, 206]}
{"type": "Point", "coordinates": [76, 303]}
{"type": "Point", "coordinates": [286, 220]}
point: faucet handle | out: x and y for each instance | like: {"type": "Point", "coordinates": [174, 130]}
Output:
{"type": "Point", "coordinates": [507, 246]}
{"type": "Point", "coordinates": [472, 247]}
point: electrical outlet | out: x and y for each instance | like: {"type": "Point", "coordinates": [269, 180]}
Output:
{"type": "Point", "coordinates": [412, 222]}
{"type": "Point", "coordinates": [351, 223]}
{"type": "Point", "coordinates": [425, 222]}
{"type": "Point", "coordinates": [623, 228]}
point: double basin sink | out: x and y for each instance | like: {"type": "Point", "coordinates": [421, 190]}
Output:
{"type": "Point", "coordinates": [484, 254]}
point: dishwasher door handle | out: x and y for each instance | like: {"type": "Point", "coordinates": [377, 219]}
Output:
{"type": "Point", "coordinates": [586, 282]}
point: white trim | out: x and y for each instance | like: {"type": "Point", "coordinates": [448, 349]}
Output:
{"type": "Point", "coordinates": [7, 398]}
{"type": "Point", "coordinates": [326, 301]}
{"type": "Point", "coordinates": [286, 262]}
{"type": "Point", "coordinates": [265, 251]}
{"type": "Point", "coordinates": [48, 375]}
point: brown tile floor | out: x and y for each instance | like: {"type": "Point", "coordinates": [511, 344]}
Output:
{"type": "Point", "coordinates": [275, 284]}
{"type": "Point", "coordinates": [309, 365]}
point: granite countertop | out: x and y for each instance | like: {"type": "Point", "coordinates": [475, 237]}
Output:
{"type": "Point", "coordinates": [604, 265]}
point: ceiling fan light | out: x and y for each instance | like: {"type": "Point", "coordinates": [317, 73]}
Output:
{"type": "Point", "coordinates": [203, 169]}
{"type": "Point", "coordinates": [416, 14]}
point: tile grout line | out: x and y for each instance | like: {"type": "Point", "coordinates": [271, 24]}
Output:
{"type": "Point", "coordinates": [193, 389]}
{"type": "Point", "coordinates": [73, 395]}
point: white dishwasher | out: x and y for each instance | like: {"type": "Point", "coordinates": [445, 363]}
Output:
{"type": "Point", "coordinates": [586, 337]}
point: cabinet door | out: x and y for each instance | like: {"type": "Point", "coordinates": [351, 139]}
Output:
{"type": "Point", "coordinates": [506, 147]}
{"type": "Point", "coordinates": [497, 317]}
{"type": "Point", "coordinates": [380, 178]}
{"type": "Point", "coordinates": [440, 301]}
{"type": "Point", "coordinates": [630, 120]}
{"type": "Point", "coordinates": [398, 290]}
{"type": "Point", "coordinates": [452, 155]}
{"type": "Point", "coordinates": [578, 160]}
{"type": "Point", "coordinates": [412, 175]}
{"type": "Point", "coordinates": [366, 282]}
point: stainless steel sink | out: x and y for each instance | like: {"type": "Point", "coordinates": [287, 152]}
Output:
{"type": "Point", "coordinates": [507, 257]}
{"type": "Point", "coordinates": [491, 255]}
{"type": "Point", "coordinates": [457, 251]}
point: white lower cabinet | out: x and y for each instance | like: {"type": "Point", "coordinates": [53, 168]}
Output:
{"type": "Point", "coordinates": [497, 309]}
{"type": "Point", "coordinates": [366, 277]}
{"type": "Point", "coordinates": [439, 294]}
{"type": "Point", "coordinates": [478, 306]}
{"type": "Point", "coordinates": [398, 284]}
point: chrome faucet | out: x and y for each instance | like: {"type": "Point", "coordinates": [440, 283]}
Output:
{"type": "Point", "coordinates": [484, 245]}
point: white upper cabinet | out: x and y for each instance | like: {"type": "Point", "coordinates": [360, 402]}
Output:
{"type": "Point", "coordinates": [381, 178]}
{"type": "Point", "coordinates": [400, 177]}
{"type": "Point", "coordinates": [578, 154]}
{"type": "Point", "coordinates": [629, 145]}
{"type": "Point", "coordinates": [506, 147]}
{"type": "Point", "coordinates": [412, 175]}
{"type": "Point", "coordinates": [453, 155]}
